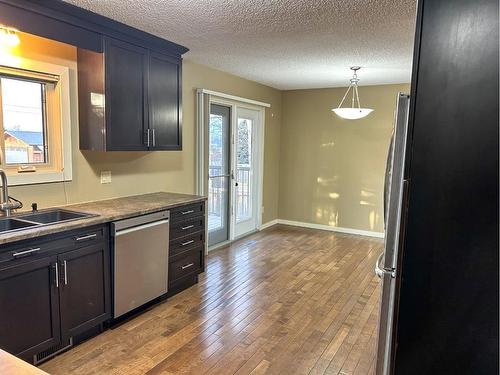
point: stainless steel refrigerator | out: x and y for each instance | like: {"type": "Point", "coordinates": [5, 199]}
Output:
{"type": "Point", "coordinates": [387, 263]}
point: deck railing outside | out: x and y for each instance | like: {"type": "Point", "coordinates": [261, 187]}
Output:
{"type": "Point", "coordinates": [217, 192]}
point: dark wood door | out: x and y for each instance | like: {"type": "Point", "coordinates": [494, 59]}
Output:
{"type": "Point", "coordinates": [85, 291]}
{"type": "Point", "coordinates": [29, 307]}
{"type": "Point", "coordinates": [126, 96]}
{"type": "Point", "coordinates": [165, 102]}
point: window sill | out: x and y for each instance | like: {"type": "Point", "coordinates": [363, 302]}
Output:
{"type": "Point", "coordinates": [31, 178]}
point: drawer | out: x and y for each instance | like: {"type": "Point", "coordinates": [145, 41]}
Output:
{"type": "Point", "coordinates": [90, 235]}
{"type": "Point", "coordinates": [186, 227]}
{"type": "Point", "coordinates": [182, 244]}
{"type": "Point", "coordinates": [33, 250]}
{"type": "Point", "coordinates": [189, 264]}
{"type": "Point", "coordinates": [185, 212]}
{"type": "Point", "coordinates": [50, 244]}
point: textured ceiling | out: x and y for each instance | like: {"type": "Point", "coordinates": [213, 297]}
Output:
{"type": "Point", "coordinates": [286, 44]}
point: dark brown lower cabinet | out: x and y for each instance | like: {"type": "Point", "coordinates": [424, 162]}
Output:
{"type": "Point", "coordinates": [29, 307]}
{"type": "Point", "coordinates": [84, 288]}
{"type": "Point", "coordinates": [46, 299]}
{"type": "Point", "coordinates": [187, 246]}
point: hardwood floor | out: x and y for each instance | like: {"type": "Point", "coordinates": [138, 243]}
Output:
{"type": "Point", "coordinates": [282, 301]}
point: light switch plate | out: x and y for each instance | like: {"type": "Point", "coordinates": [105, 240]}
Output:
{"type": "Point", "coordinates": [105, 177]}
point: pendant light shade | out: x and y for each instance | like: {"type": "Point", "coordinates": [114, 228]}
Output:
{"type": "Point", "coordinates": [354, 112]}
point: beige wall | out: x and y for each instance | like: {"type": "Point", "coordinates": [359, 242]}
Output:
{"type": "Point", "coordinates": [142, 172]}
{"type": "Point", "coordinates": [317, 167]}
{"type": "Point", "coordinates": [332, 170]}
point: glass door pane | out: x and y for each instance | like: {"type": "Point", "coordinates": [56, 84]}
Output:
{"type": "Point", "coordinates": [243, 169]}
{"type": "Point", "coordinates": [246, 164]}
{"type": "Point", "coordinates": [218, 174]}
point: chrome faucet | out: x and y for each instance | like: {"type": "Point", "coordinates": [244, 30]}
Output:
{"type": "Point", "coordinates": [5, 205]}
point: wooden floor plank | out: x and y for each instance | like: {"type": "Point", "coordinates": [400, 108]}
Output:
{"type": "Point", "coordinates": [282, 301]}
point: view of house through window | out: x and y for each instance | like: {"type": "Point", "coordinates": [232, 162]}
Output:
{"type": "Point", "coordinates": [24, 121]}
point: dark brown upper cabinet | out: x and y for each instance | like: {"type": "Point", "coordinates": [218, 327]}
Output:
{"type": "Point", "coordinates": [129, 99]}
{"type": "Point", "coordinates": [165, 109]}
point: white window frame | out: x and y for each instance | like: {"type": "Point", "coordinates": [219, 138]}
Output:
{"type": "Point", "coordinates": [66, 172]}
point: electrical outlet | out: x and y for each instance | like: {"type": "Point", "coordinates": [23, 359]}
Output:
{"type": "Point", "coordinates": [262, 210]}
{"type": "Point", "coordinates": [105, 177]}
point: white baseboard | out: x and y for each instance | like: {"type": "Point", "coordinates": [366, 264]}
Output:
{"type": "Point", "coordinates": [268, 224]}
{"type": "Point", "coordinates": [357, 232]}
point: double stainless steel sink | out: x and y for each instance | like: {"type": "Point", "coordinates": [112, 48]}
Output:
{"type": "Point", "coordinates": [34, 219]}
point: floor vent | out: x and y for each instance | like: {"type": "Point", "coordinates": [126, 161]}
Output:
{"type": "Point", "coordinates": [51, 352]}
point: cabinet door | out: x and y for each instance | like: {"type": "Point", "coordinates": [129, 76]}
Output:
{"type": "Point", "coordinates": [126, 96]}
{"type": "Point", "coordinates": [165, 102]}
{"type": "Point", "coordinates": [29, 307]}
{"type": "Point", "coordinates": [85, 292]}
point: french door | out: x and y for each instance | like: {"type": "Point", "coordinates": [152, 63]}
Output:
{"type": "Point", "coordinates": [245, 167]}
{"type": "Point", "coordinates": [219, 173]}
{"type": "Point", "coordinates": [235, 154]}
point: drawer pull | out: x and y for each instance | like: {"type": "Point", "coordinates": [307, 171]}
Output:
{"type": "Point", "coordinates": [187, 243]}
{"type": "Point", "coordinates": [188, 227]}
{"type": "Point", "coordinates": [187, 212]}
{"type": "Point", "coordinates": [87, 237]}
{"type": "Point", "coordinates": [187, 266]}
{"type": "Point", "coordinates": [25, 252]}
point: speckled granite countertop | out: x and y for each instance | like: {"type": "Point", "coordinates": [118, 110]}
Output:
{"type": "Point", "coordinates": [107, 210]}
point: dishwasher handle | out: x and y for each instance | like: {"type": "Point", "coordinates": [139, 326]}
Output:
{"type": "Point", "coordinates": [138, 221]}
{"type": "Point", "coordinates": [140, 227]}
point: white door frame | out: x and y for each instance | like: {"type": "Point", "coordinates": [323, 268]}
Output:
{"type": "Point", "coordinates": [202, 179]}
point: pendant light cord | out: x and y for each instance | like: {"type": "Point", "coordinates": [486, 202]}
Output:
{"type": "Point", "coordinates": [354, 86]}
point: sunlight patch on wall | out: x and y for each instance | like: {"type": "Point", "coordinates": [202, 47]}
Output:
{"type": "Point", "coordinates": [327, 181]}
{"type": "Point", "coordinates": [328, 144]}
{"type": "Point", "coordinates": [373, 219]}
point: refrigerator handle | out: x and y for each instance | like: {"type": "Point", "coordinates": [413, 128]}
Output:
{"type": "Point", "coordinates": [380, 270]}
{"type": "Point", "coordinates": [387, 176]}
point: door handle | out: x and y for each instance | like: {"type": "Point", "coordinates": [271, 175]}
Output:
{"type": "Point", "coordinates": [154, 137]}
{"type": "Point", "coordinates": [187, 212]}
{"type": "Point", "coordinates": [188, 227]}
{"type": "Point", "coordinates": [187, 266]}
{"type": "Point", "coordinates": [65, 265]}
{"type": "Point", "coordinates": [380, 271]}
{"type": "Point", "coordinates": [187, 243]}
{"type": "Point", "coordinates": [56, 269]}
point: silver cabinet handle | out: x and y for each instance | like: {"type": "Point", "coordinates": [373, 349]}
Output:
{"type": "Point", "coordinates": [187, 243]}
{"type": "Point", "coordinates": [188, 227]}
{"type": "Point", "coordinates": [154, 138]}
{"type": "Point", "coordinates": [57, 274]}
{"type": "Point", "coordinates": [87, 237]}
{"type": "Point", "coordinates": [25, 252]}
{"type": "Point", "coordinates": [147, 135]}
{"type": "Point", "coordinates": [187, 266]}
{"type": "Point", "coordinates": [187, 212]}
{"type": "Point", "coordinates": [65, 265]}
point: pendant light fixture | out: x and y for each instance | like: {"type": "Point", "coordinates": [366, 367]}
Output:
{"type": "Point", "coordinates": [354, 112]}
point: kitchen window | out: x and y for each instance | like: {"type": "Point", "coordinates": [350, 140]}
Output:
{"type": "Point", "coordinates": [35, 123]}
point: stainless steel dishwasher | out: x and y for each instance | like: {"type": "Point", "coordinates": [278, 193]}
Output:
{"type": "Point", "coordinates": [140, 260]}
